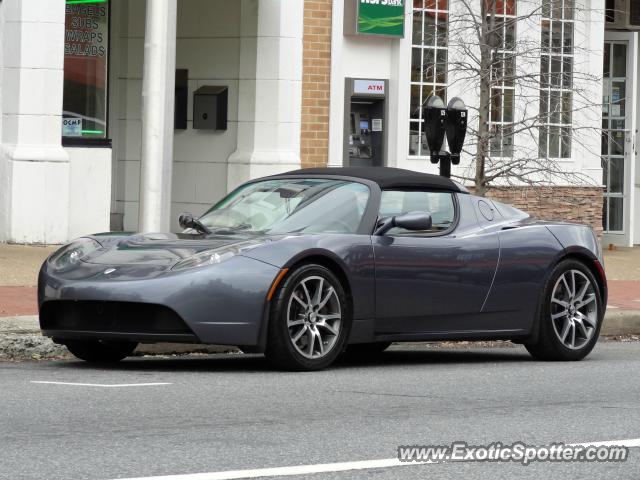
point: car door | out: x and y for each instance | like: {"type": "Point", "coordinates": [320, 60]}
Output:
{"type": "Point", "coordinates": [433, 281]}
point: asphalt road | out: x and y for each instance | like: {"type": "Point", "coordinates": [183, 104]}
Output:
{"type": "Point", "coordinates": [229, 412]}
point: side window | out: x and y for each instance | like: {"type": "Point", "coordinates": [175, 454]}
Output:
{"type": "Point", "coordinates": [440, 205]}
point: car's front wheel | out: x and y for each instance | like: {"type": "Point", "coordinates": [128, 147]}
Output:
{"type": "Point", "coordinates": [309, 320]}
{"type": "Point", "coordinates": [571, 314]}
{"type": "Point", "coordinates": [100, 351]}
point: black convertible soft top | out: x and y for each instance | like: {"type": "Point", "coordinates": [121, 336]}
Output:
{"type": "Point", "coordinates": [387, 177]}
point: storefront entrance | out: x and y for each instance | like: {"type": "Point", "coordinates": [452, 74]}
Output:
{"type": "Point", "coordinates": [618, 138]}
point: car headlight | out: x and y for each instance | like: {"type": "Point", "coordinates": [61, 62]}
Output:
{"type": "Point", "coordinates": [73, 253]}
{"type": "Point", "coordinates": [214, 256]}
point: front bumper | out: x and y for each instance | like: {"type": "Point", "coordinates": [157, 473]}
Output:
{"type": "Point", "coordinates": [222, 304]}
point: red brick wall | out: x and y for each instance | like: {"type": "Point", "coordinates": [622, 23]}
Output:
{"type": "Point", "coordinates": [316, 76]}
{"type": "Point", "coordinates": [572, 204]}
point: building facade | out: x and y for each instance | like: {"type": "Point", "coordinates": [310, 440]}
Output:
{"type": "Point", "coordinates": [265, 86]}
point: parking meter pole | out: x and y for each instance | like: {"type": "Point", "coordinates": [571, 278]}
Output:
{"type": "Point", "coordinates": [445, 166]}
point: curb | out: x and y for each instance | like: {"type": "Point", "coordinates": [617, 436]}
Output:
{"type": "Point", "coordinates": [621, 322]}
{"type": "Point", "coordinates": [20, 338]}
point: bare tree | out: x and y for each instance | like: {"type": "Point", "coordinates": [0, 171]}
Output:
{"type": "Point", "coordinates": [529, 87]}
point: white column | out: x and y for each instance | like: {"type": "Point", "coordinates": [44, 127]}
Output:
{"type": "Point", "coordinates": [270, 90]}
{"type": "Point", "coordinates": [157, 115]}
{"type": "Point", "coordinates": [34, 168]}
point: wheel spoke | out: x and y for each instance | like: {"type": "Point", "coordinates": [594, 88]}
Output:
{"type": "Point", "coordinates": [326, 298]}
{"type": "Point", "coordinates": [330, 328]}
{"type": "Point", "coordinates": [299, 300]}
{"type": "Point", "coordinates": [565, 331]}
{"type": "Point", "coordinates": [585, 318]}
{"type": "Point", "coordinates": [566, 286]}
{"type": "Point", "coordinates": [559, 314]}
{"type": "Point", "coordinates": [311, 339]}
{"type": "Point", "coordinates": [298, 336]}
{"type": "Point", "coordinates": [320, 344]}
{"type": "Point", "coordinates": [573, 335]}
{"type": "Point", "coordinates": [583, 291]}
{"type": "Point", "coordinates": [560, 302]}
{"type": "Point", "coordinates": [590, 298]}
{"type": "Point", "coordinates": [573, 283]}
{"type": "Point", "coordinates": [583, 328]}
{"type": "Point", "coordinates": [329, 316]}
{"type": "Point", "coordinates": [307, 295]}
{"type": "Point", "coordinates": [318, 295]}
{"type": "Point", "coordinates": [293, 323]}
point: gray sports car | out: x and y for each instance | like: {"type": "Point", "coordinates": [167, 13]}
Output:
{"type": "Point", "coordinates": [305, 265]}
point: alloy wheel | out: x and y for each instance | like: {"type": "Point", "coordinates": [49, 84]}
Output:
{"type": "Point", "coordinates": [574, 309]}
{"type": "Point", "coordinates": [314, 317]}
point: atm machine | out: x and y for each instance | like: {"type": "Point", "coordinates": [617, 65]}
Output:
{"type": "Point", "coordinates": [365, 126]}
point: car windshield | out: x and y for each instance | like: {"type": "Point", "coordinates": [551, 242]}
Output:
{"type": "Point", "coordinates": [305, 205]}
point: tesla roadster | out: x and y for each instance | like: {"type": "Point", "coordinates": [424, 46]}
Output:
{"type": "Point", "coordinates": [305, 265]}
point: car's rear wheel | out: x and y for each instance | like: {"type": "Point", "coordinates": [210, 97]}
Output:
{"type": "Point", "coordinates": [571, 314]}
{"type": "Point", "coordinates": [367, 349]}
{"type": "Point", "coordinates": [309, 320]}
{"type": "Point", "coordinates": [100, 351]}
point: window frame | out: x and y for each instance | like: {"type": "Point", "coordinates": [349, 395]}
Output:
{"type": "Point", "coordinates": [422, 85]}
{"type": "Point", "coordinates": [547, 89]}
{"type": "Point", "coordinates": [452, 227]}
{"type": "Point", "coordinates": [500, 58]}
{"type": "Point", "coordinates": [95, 142]}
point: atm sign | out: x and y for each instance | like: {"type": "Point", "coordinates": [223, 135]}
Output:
{"type": "Point", "coordinates": [368, 87]}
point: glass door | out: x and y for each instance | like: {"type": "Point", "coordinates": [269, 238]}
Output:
{"type": "Point", "coordinates": [615, 135]}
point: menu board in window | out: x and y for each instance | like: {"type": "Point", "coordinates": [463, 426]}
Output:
{"type": "Point", "coordinates": [85, 69]}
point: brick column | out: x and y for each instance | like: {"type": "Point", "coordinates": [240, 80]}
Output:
{"type": "Point", "coordinates": [316, 78]}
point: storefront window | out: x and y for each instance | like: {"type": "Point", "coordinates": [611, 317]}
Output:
{"type": "Point", "coordinates": [428, 65]}
{"type": "Point", "coordinates": [84, 111]}
{"type": "Point", "coordinates": [556, 78]}
{"type": "Point", "coordinates": [501, 24]}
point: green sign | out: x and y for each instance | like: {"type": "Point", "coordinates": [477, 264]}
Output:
{"type": "Point", "coordinates": [381, 17]}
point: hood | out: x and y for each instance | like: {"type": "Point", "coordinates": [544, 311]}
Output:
{"type": "Point", "coordinates": [161, 249]}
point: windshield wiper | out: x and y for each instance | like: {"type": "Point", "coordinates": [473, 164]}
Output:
{"type": "Point", "coordinates": [230, 230]}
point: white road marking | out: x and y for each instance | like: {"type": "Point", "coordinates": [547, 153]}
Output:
{"type": "Point", "coordinates": [632, 442]}
{"type": "Point", "coordinates": [286, 471]}
{"type": "Point", "coordinates": [335, 467]}
{"type": "Point", "coordinates": [612, 306]}
{"type": "Point", "coordinates": [103, 385]}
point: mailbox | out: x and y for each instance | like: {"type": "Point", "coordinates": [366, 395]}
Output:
{"type": "Point", "coordinates": [210, 107]}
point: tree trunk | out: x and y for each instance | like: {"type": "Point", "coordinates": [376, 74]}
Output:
{"type": "Point", "coordinates": [487, 44]}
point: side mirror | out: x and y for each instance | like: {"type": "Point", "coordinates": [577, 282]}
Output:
{"type": "Point", "coordinates": [409, 221]}
{"type": "Point", "coordinates": [185, 220]}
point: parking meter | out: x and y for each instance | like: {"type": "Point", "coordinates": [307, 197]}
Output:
{"type": "Point", "coordinates": [456, 127]}
{"type": "Point", "coordinates": [435, 117]}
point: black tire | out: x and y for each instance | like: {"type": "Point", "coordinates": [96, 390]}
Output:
{"type": "Point", "coordinates": [367, 349]}
{"type": "Point", "coordinates": [281, 351]}
{"type": "Point", "coordinates": [549, 345]}
{"type": "Point", "coordinates": [100, 351]}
